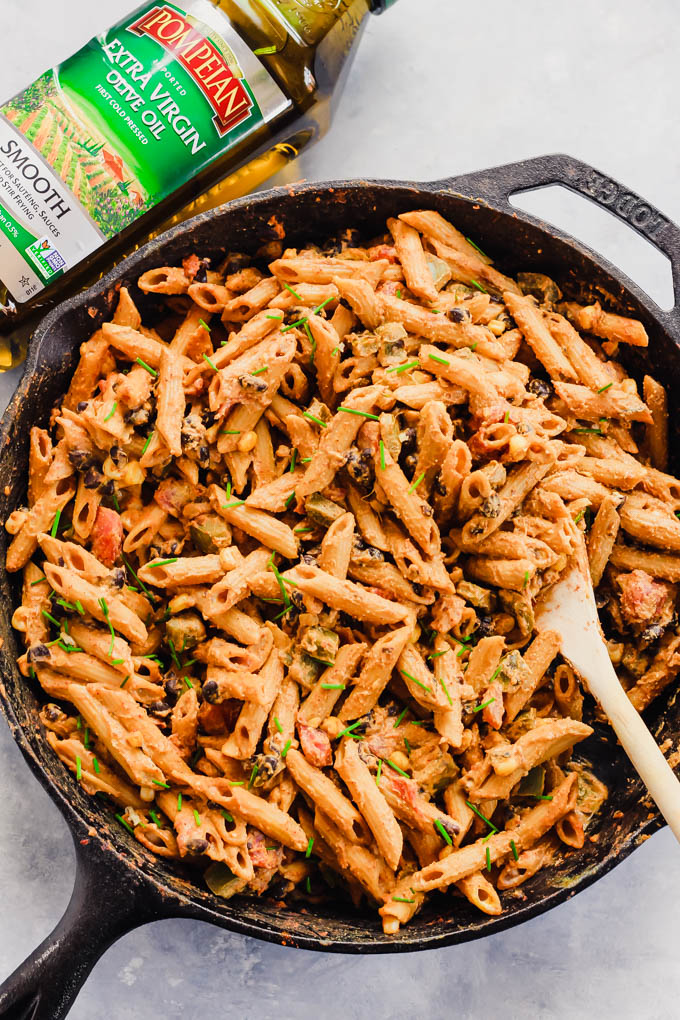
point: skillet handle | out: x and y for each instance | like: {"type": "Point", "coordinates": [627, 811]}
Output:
{"type": "Point", "coordinates": [499, 183]}
{"type": "Point", "coordinates": [106, 904]}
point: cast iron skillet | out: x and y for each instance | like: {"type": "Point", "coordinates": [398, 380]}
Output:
{"type": "Point", "coordinates": [120, 886]}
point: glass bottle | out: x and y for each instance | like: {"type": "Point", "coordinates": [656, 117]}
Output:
{"type": "Point", "coordinates": [179, 108]}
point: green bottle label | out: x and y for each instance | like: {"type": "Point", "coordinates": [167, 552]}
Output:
{"type": "Point", "coordinates": [102, 138]}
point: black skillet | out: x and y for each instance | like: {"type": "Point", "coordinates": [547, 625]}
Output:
{"type": "Point", "coordinates": [120, 886]}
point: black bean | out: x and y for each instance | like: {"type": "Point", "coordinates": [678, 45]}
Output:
{"type": "Point", "coordinates": [36, 652]}
{"type": "Point", "coordinates": [210, 690]}
{"type": "Point", "coordinates": [459, 315]}
{"type": "Point", "coordinates": [81, 406]}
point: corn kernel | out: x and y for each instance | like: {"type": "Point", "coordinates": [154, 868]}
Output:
{"type": "Point", "coordinates": [497, 326]}
{"type": "Point", "coordinates": [247, 442]}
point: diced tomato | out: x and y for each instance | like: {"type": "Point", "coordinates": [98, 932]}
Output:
{"type": "Point", "coordinates": [644, 601]}
{"type": "Point", "coordinates": [315, 745]}
{"type": "Point", "coordinates": [260, 855]}
{"type": "Point", "coordinates": [107, 536]}
{"type": "Point", "coordinates": [173, 495]}
{"type": "Point", "coordinates": [493, 713]}
{"type": "Point", "coordinates": [191, 265]}
{"type": "Point", "coordinates": [383, 251]}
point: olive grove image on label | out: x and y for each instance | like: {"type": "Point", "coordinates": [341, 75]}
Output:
{"type": "Point", "coordinates": [105, 136]}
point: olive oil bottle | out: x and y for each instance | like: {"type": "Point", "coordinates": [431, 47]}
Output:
{"type": "Point", "coordinates": [178, 108]}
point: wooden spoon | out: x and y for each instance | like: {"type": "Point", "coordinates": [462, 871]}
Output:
{"type": "Point", "coordinates": [569, 608]}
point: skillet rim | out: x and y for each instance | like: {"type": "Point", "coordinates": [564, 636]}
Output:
{"type": "Point", "coordinates": [464, 188]}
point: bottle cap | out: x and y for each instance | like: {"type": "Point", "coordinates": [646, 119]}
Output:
{"type": "Point", "coordinates": [378, 6]}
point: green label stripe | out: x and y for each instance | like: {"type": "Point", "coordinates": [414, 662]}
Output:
{"type": "Point", "coordinates": [23, 240]}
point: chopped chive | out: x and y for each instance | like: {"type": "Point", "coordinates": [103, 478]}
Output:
{"type": "Point", "coordinates": [86, 738]}
{"type": "Point", "coordinates": [179, 801]}
{"type": "Point", "coordinates": [333, 687]}
{"type": "Point", "coordinates": [488, 859]}
{"type": "Point", "coordinates": [259, 371]}
{"type": "Point", "coordinates": [476, 247]}
{"type": "Point", "coordinates": [593, 432]}
{"type": "Point", "coordinates": [123, 822]}
{"type": "Point", "coordinates": [300, 531]}
{"type": "Point", "coordinates": [264, 51]}
{"type": "Point", "coordinates": [147, 443]}
{"type": "Point", "coordinates": [112, 411]}
{"type": "Point", "coordinates": [211, 363]}
{"type": "Point", "coordinates": [55, 524]}
{"type": "Point", "coordinates": [439, 826]}
{"type": "Point", "coordinates": [308, 851]}
{"type": "Point", "coordinates": [435, 655]}
{"type": "Point", "coordinates": [197, 818]}
{"type": "Point", "coordinates": [116, 504]}
{"type": "Point", "coordinates": [48, 616]}
{"type": "Point", "coordinates": [480, 815]}
{"type": "Point", "coordinates": [542, 796]}
{"type": "Point", "coordinates": [188, 682]}
{"type": "Point", "coordinates": [286, 748]}
{"type": "Point", "coordinates": [335, 351]}
{"type": "Point", "coordinates": [402, 899]}
{"type": "Point", "coordinates": [396, 768]}
{"type": "Point", "coordinates": [506, 417]}
{"type": "Point", "coordinates": [277, 318]}
{"type": "Point", "coordinates": [382, 455]}
{"type": "Point", "coordinates": [400, 717]}
{"type": "Point", "coordinates": [39, 581]}
{"type": "Point", "coordinates": [163, 563]}
{"type": "Point", "coordinates": [205, 325]}
{"type": "Point", "coordinates": [150, 370]}
{"type": "Point", "coordinates": [315, 311]}
{"type": "Point", "coordinates": [407, 746]}
{"type": "Point", "coordinates": [229, 489]}
{"type": "Point", "coordinates": [526, 578]}
{"type": "Point", "coordinates": [603, 389]}
{"type": "Point", "coordinates": [278, 724]}
{"type": "Point", "coordinates": [379, 772]}
{"type": "Point", "coordinates": [348, 729]}
{"type": "Point", "coordinates": [155, 819]}
{"type": "Point", "coordinates": [164, 786]}
{"type": "Point", "coordinates": [514, 850]}
{"type": "Point", "coordinates": [312, 341]}
{"type": "Point", "coordinates": [414, 485]}
{"type": "Point", "coordinates": [579, 515]}
{"type": "Point", "coordinates": [290, 499]}
{"type": "Point", "coordinates": [230, 432]}
{"type": "Point", "coordinates": [226, 815]}
{"type": "Point", "coordinates": [232, 782]}
{"type": "Point", "coordinates": [293, 325]}
{"type": "Point", "coordinates": [117, 662]}
{"type": "Point", "coordinates": [398, 369]}
{"type": "Point", "coordinates": [293, 292]}
{"type": "Point", "coordinates": [125, 680]}
{"type": "Point", "coordinates": [95, 765]}
{"type": "Point", "coordinates": [310, 417]}
{"type": "Point", "coordinates": [479, 286]}
{"type": "Point", "coordinates": [305, 460]}
{"type": "Point", "coordinates": [308, 884]}
{"type": "Point", "coordinates": [446, 691]}
{"type": "Point", "coordinates": [293, 460]}
{"type": "Point", "coordinates": [362, 414]}
{"type": "Point", "coordinates": [415, 681]}
{"type": "Point", "coordinates": [483, 705]}
{"type": "Point", "coordinates": [473, 347]}
{"type": "Point", "coordinates": [435, 357]}
{"type": "Point", "coordinates": [79, 769]}
{"type": "Point", "coordinates": [231, 506]}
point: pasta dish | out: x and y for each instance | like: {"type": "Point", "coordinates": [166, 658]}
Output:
{"type": "Point", "coordinates": [281, 548]}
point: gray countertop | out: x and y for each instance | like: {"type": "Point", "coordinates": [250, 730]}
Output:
{"type": "Point", "coordinates": [438, 88]}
